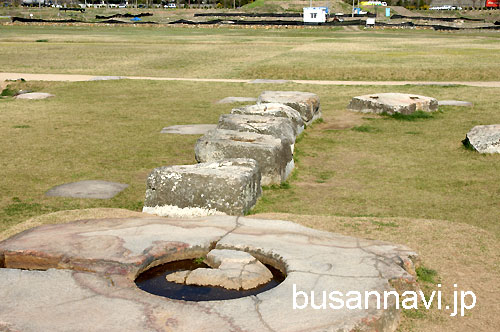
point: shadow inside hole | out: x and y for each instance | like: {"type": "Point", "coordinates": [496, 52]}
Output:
{"type": "Point", "coordinates": [154, 281]}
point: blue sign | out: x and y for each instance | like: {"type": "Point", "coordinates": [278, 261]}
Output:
{"type": "Point", "coordinates": [387, 12]}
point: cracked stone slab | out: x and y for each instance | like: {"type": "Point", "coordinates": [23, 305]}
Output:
{"type": "Point", "coordinates": [273, 110]}
{"type": "Point", "coordinates": [230, 100]}
{"type": "Point", "coordinates": [391, 103]}
{"type": "Point", "coordinates": [278, 127]}
{"type": "Point", "coordinates": [455, 103]}
{"type": "Point", "coordinates": [34, 95]}
{"type": "Point", "coordinates": [306, 103]}
{"type": "Point", "coordinates": [230, 269]}
{"type": "Point", "coordinates": [97, 260]}
{"type": "Point", "coordinates": [273, 155]}
{"type": "Point", "coordinates": [194, 129]}
{"type": "Point", "coordinates": [229, 186]}
{"type": "Point", "coordinates": [88, 189]}
{"type": "Point", "coordinates": [484, 139]}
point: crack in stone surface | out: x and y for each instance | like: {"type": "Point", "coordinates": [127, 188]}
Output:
{"type": "Point", "coordinates": [257, 302]}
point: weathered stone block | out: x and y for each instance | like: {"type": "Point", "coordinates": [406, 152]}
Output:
{"type": "Point", "coordinates": [272, 154]}
{"type": "Point", "coordinates": [275, 126]}
{"type": "Point", "coordinates": [274, 110]}
{"type": "Point", "coordinates": [391, 103]}
{"type": "Point", "coordinates": [226, 186]}
{"type": "Point", "coordinates": [306, 103]}
{"type": "Point", "coordinates": [484, 139]}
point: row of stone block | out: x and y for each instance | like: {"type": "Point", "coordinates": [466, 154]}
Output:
{"type": "Point", "coordinates": [250, 147]}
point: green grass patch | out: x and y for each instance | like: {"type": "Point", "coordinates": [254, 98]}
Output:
{"type": "Point", "coordinates": [426, 275]}
{"type": "Point", "coordinates": [366, 129]}
{"type": "Point", "coordinates": [21, 126]}
{"type": "Point", "coordinates": [42, 41]}
{"type": "Point", "coordinates": [417, 115]}
{"type": "Point", "coordinates": [8, 93]}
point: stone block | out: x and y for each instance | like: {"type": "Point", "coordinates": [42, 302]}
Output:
{"type": "Point", "coordinates": [274, 110]}
{"type": "Point", "coordinates": [306, 103]}
{"type": "Point", "coordinates": [229, 186]}
{"type": "Point", "coordinates": [272, 154]}
{"type": "Point", "coordinates": [275, 126]}
{"type": "Point", "coordinates": [392, 103]}
{"type": "Point", "coordinates": [484, 139]}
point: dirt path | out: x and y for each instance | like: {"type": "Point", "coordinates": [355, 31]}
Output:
{"type": "Point", "coordinates": [80, 78]}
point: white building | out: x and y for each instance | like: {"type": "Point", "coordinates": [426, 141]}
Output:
{"type": "Point", "coordinates": [315, 15]}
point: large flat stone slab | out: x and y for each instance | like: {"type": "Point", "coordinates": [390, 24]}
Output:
{"type": "Point", "coordinates": [484, 139]}
{"type": "Point", "coordinates": [88, 189]}
{"type": "Point", "coordinates": [229, 186]}
{"type": "Point", "coordinates": [94, 288]}
{"type": "Point", "coordinates": [391, 103]}
{"type": "Point", "coordinates": [306, 103]}
{"type": "Point", "coordinates": [34, 95]}
{"type": "Point", "coordinates": [194, 129]}
{"type": "Point", "coordinates": [273, 155]}
{"type": "Point", "coordinates": [274, 110]}
{"type": "Point", "coordinates": [455, 103]}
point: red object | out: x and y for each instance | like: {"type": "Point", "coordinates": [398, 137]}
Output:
{"type": "Point", "coordinates": [492, 3]}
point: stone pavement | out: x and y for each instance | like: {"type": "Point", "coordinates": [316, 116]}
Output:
{"type": "Point", "coordinates": [87, 269]}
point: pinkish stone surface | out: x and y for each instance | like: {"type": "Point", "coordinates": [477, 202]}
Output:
{"type": "Point", "coordinates": [93, 287]}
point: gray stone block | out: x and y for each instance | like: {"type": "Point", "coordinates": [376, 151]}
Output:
{"type": "Point", "coordinates": [274, 110]}
{"type": "Point", "coordinates": [275, 126]}
{"type": "Point", "coordinates": [306, 103]}
{"type": "Point", "coordinates": [227, 186]}
{"type": "Point", "coordinates": [391, 103]}
{"type": "Point", "coordinates": [484, 139]}
{"type": "Point", "coordinates": [273, 155]}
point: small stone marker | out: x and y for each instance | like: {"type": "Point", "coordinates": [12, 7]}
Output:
{"type": "Point", "coordinates": [230, 269]}
{"type": "Point", "coordinates": [274, 110]}
{"type": "Point", "coordinates": [306, 103]}
{"type": "Point", "coordinates": [391, 103]}
{"type": "Point", "coordinates": [230, 100]}
{"type": "Point", "coordinates": [275, 126]}
{"type": "Point", "coordinates": [273, 155]}
{"type": "Point", "coordinates": [454, 103]}
{"type": "Point", "coordinates": [484, 139]}
{"type": "Point", "coordinates": [229, 186]}
{"type": "Point", "coordinates": [88, 189]}
{"type": "Point", "coordinates": [34, 95]}
{"type": "Point", "coordinates": [194, 129]}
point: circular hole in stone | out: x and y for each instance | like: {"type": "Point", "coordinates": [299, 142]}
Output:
{"type": "Point", "coordinates": [154, 281]}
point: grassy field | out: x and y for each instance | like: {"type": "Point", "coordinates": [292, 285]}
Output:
{"type": "Point", "coordinates": [311, 53]}
{"type": "Point", "coordinates": [409, 182]}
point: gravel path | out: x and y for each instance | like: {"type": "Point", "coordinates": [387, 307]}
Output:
{"type": "Point", "coordinates": [79, 78]}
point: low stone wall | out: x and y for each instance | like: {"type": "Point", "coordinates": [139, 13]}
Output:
{"type": "Point", "coordinates": [250, 147]}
